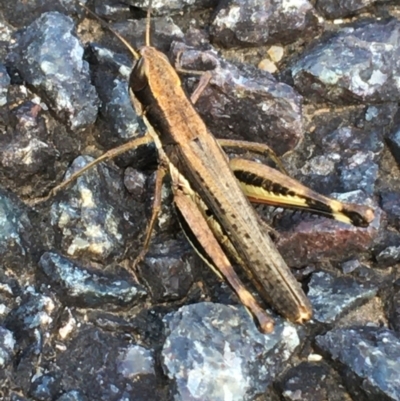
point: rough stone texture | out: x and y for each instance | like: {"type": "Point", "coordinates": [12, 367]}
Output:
{"type": "Point", "coordinates": [238, 364]}
{"type": "Point", "coordinates": [366, 70]}
{"type": "Point", "coordinates": [88, 288]}
{"type": "Point", "coordinates": [278, 119]}
{"type": "Point", "coordinates": [331, 297]}
{"type": "Point", "coordinates": [55, 67]}
{"type": "Point", "coordinates": [371, 356]}
{"type": "Point", "coordinates": [259, 22]}
{"type": "Point", "coordinates": [342, 8]}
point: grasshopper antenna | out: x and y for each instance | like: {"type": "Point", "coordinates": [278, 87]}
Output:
{"type": "Point", "coordinates": [148, 24]}
{"type": "Point", "coordinates": [103, 23]}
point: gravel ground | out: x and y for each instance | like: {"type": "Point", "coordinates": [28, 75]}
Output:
{"type": "Point", "coordinates": [317, 81]}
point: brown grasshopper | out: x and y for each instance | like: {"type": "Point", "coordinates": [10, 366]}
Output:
{"type": "Point", "coordinates": [211, 193]}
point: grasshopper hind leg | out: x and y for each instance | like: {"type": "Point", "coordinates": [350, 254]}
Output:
{"type": "Point", "coordinates": [200, 236]}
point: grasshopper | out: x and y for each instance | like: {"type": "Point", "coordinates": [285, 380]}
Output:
{"type": "Point", "coordinates": [211, 193]}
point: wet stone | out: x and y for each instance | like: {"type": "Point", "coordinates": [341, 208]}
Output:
{"type": "Point", "coordinates": [332, 297]}
{"type": "Point", "coordinates": [49, 57]}
{"type": "Point", "coordinates": [371, 356]}
{"type": "Point", "coordinates": [366, 70]}
{"type": "Point", "coordinates": [167, 270]}
{"type": "Point", "coordinates": [238, 364]}
{"type": "Point", "coordinates": [259, 101]}
{"type": "Point", "coordinates": [87, 287]}
{"type": "Point", "coordinates": [257, 22]}
{"type": "Point", "coordinates": [97, 218]}
{"type": "Point", "coordinates": [312, 382]}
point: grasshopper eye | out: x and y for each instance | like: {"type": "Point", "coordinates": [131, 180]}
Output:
{"type": "Point", "coordinates": [138, 79]}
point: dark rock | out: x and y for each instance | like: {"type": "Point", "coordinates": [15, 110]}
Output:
{"type": "Point", "coordinates": [255, 22]}
{"type": "Point", "coordinates": [394, 308]}
{"type": "Point", "coordinates": [365, 71]}
{"type": "Point", "coordinates": [245, 90]}
{"type": "Point", "coordinates": [390, 204]}
{"type": "Point", "coordinates": [371, 355]}
{"type": "Point", "coordinates": [123, 370]}
{"type": "Point", "coordinates": [310, 240]}
{"type": "Point", "coordinates": [393, 141]}
{"type": "Point", "coordinates": [86, 287]}
{"type": "Point", "coordinates": [97, 218]}
{"type": "Point", "coordinates": [19, 239]}
{"type": "Point", "coordinates": [331, 297]}
{"type": "Point", "coordinates": [27, 154]}
{"type": "Point", "coordinates": [312, 382]}
{"type": "Point", "coordinates": [4, 84]}
{"type": "Point", "coordinates": [170, 7]}
{"type": "Point", "coordinates": [341, 9]}
{"type": "Point", "coordinates": [73, 395]}
{"type": "Point", "coordinates": [7, 344]}
{"type": "Point", "coordinates": [167, 270]}
{"type": "Point", "coordinates": [64, 85]}
{"type": "Point", "coordinates": [45, 387]}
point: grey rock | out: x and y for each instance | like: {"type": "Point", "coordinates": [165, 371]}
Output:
{"type": "Point", "coordinates": [256, 22]}
{"type": "Point", "coordinates": [214, 352]}
{"type": "Point", "coordinates": [50, 58]}
{"type": "Point", "coordinates": [371, 354]}
{"type": "Point", "coordinates": [4, 84]}
{"type": "Point", "coordinates": [342, 8]}
{"type": "Point", "coordinates": [331, 297]}
{"type": "Point", "coordinates": [91, 223]}
{"type": "Point", "coordinates": [172, 6]}
{"type": "Point", "coordinates": [365, 71]}
{"type": "Point", "coordinates": [7, 344]}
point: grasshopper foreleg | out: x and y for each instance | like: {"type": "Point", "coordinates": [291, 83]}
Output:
{"type": "Point", "coordinates": [111, 154]}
